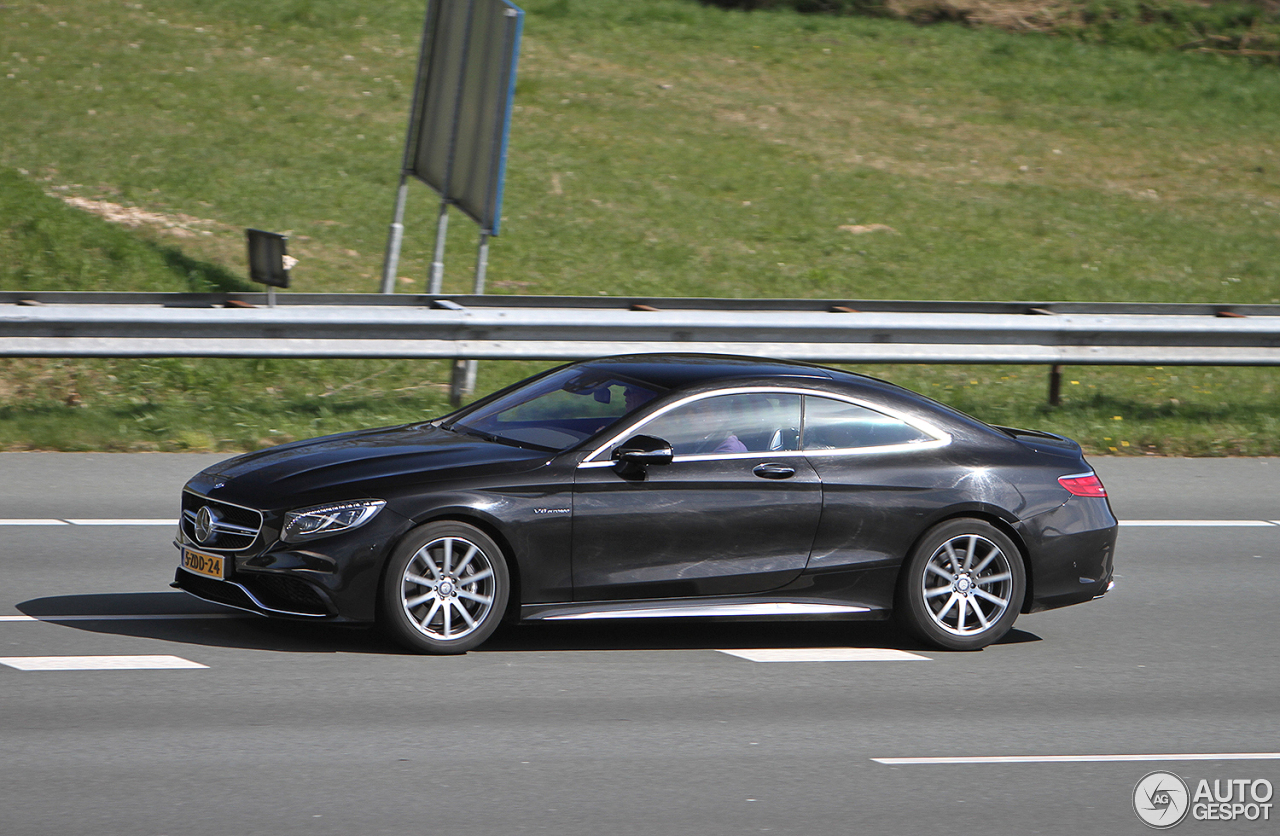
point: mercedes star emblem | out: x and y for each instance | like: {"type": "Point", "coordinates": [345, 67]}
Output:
{"type": "Point", "coordinates": [206, 521]}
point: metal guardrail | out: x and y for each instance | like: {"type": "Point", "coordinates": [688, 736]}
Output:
{"type": "Point", "coordinates": [408, 300]}
{"type": "Point", "coordinates": [34, 324]}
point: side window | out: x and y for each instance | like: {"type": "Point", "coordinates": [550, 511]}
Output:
{"type": "Point", "coordinates": [758, 422]}
{"type": "Point", "coordinates": [834, 425]}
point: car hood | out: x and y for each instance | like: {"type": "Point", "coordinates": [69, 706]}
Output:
{"type": "Point", "coordinates": [354, 460]}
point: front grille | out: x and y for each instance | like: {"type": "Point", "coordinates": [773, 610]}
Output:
{"type": "Point", "coordinates": [233, 527]}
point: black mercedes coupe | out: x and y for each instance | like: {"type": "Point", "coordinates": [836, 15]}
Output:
{"type": "Point", "coordinates": [658, 486]}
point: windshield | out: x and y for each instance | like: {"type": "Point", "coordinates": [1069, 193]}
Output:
{"type": "Point", "coordinates": [557, 411]}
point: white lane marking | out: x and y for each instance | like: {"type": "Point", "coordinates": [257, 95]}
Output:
{"type": "Point", "coordinates": [33, 522]}
{"type": "Point", "coordinates": [1196, 756]}
{"type": "Point", "coordinates": [123, 522]}
{"type": "Point", "coordinates": [1135, 523]}
{"type": "Point", "coordinates": [1201, 523]}
{"type": "Point", "coordinates": [177, 616]}
{"type": "Point", "coordinates": [825, 654]}
{"type": "Point", "coordinates": [139, 521]}
{"type": "Point", "coordinates": [98, 663]}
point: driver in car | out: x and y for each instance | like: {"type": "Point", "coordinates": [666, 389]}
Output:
{"type": "Point", "coordinates": [719, 437]}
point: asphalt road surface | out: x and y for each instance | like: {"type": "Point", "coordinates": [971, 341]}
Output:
{"type": "Point", "coordinates": [649, 728]}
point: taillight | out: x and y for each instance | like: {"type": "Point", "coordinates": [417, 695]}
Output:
{"type": "Point", "coordinates": [1083, 484]}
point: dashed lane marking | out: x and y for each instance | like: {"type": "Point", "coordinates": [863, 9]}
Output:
{"type": "Point", "coordinates": [33, 522]}
{"type": "Point", "coordinates": [159, 522]}
{"type": "Point", "coordinates": [36, 522]}
{"type": "Point", "coordinates": [98, 663]}
{"type": "Point", "coordinates": [997, 759]}
{"type": "Point", "coordinates": [826, 654]}
{"type": "Point", "coordinates": [123, 522]}
{"type": "Point", "coordinates": [1200, 523]}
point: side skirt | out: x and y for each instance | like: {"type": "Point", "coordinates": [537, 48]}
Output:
{"type": "Point", "coordinates": [699, 608]}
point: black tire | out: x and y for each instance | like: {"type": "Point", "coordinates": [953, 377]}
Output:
{"type": "Point", "coordinates": [962, 587]}
{"type": "Point", "coordinates": [445, 589]}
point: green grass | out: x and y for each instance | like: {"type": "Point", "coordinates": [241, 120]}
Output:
{"type": "Point", "coordinates": [1248, 30]}
{"type": "Point", "coordinates": [47, 245]}
{"type": "Point", "coordinates": [658, 148]}
{"type": "Point", "coordinates": [177, 405]}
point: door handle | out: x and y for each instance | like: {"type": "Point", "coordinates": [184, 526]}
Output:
{"type": "Point", "coordinates": [774, 471]}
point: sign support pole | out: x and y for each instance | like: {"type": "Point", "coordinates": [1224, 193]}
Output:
{"type": "Point", "coordinates": [482, 263]}
{"type": "Point", "coordinates": [437, 261]}
{"type": "Point", "coordinates": [391, 263]}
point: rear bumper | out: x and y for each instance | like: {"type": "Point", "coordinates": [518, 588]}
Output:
{"type": "Point", "coordinates": [1072, 552]}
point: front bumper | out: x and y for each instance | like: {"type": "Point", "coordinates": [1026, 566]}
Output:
{"type": "Point", "coordinates": [288, 597]}
{"type": "Point", "coordinates": [334, 578]}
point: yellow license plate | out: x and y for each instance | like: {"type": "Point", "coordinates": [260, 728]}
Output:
{"type": "Point", "coordinates": [202, 564]}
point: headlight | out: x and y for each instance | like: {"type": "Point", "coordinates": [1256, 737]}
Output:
{"type": "Point", "coordinates": [321, 520]}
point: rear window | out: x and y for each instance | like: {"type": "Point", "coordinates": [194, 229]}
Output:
{"type": "Point", "coordinates": [830, 424]}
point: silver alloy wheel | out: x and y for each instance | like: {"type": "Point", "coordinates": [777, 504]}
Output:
{"type": "Point", "coordinates": [448, 588]}
{"type": "Point", "coordinates": [967, 585]}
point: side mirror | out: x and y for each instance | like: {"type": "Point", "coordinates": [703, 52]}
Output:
{"type": "Point", "coordinates": [641, 451]}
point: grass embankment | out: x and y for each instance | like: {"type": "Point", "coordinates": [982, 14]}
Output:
{"type": "Point", "coordinates": [45, 244]}
{"type": "Point", "coordinates": [1247, 29]}
{"type": "Point", "coordinates": [664, 148]}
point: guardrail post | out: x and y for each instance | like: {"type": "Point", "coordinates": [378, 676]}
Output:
{"type": "Point", "coordinates": [1055, 385]}
{"type": "Point", "coordinates": [462, 381]}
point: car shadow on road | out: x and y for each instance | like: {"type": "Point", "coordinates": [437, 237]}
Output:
{"type": "Point", "coordinates": [177, 617]}
{"type": "Point", "coordinates": [705, 634]}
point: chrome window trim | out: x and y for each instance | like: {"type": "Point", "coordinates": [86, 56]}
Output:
{"type": "Point", "coordinates": [884, 448]}
{"type": "Point", "coordinates": [940, 437]}
{"type": "Point", "coordinates": [710, 457]}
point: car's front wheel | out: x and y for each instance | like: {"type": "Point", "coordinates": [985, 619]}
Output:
{"type": "Point", "coordinates": [445, 589]}
{"type": "Point", "coordinates": [962, 587]}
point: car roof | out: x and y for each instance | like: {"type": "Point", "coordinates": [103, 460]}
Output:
{"type": "Point", "coordinates": [676, 371]}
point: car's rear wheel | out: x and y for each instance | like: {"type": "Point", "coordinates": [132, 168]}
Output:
{"type": "Point", "coordinates": [445, 589]}
{"type": "Point", "coordinates": [962, 587]}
